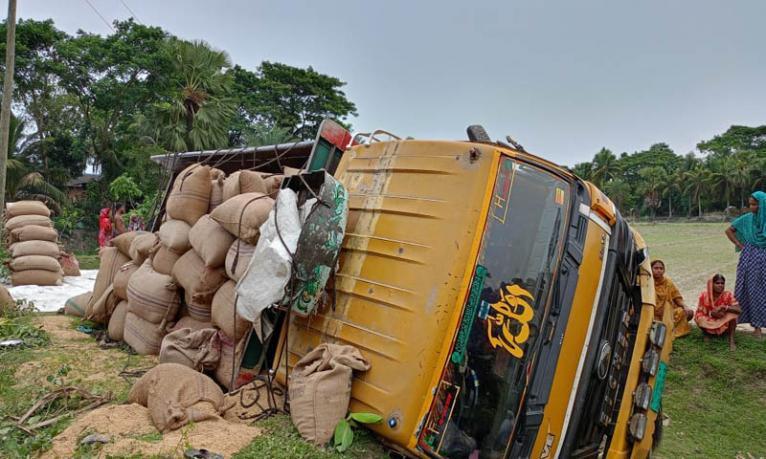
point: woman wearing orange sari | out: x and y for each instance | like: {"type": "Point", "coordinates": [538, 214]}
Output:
{"type": "Point", "coordinates": [717, 310]}
{"type": "Point", "coordinates": [668, 296]}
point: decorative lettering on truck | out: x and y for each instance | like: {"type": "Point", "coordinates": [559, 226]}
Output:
{"type": "Point", "coordinates": [508, 320]}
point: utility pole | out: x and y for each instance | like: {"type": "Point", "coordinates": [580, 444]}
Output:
{"type": "Point", "coordinates": [5, 109]}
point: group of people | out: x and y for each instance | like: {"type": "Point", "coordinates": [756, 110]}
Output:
{"type": "Point", "coordinates": [110, 226]}
{"type": "Point", "coordinates": [719, 310]}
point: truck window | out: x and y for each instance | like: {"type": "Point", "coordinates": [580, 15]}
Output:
{"type": "Point", "coordinates": [486, 376]}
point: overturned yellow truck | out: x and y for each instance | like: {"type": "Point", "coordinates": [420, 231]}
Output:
{"type": "Point", "coordinates": [505, 305]}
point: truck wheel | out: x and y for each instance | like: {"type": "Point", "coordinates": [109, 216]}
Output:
{"type": "Point", "coordinates": [477, 133]}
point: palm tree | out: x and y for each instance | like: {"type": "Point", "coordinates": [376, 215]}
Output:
{"type": "Point", "coordinates": [722, 177]}
{"type": "Point", "coordinates": [583, 170]}
{"type": "Point", "coordinates": [697, 181]}
{"type": "Point", "coordinates": [672, 184]}
{"type": "Point", "coordinates": [196, 115]}
{"type": "Point", "coordinates": [653, 179]}
{"type": "Point", "coordinates": [742, 174]}
{"type": "Point", "coordinates": [618, 191]}
{"type": "Point", "coordinates": [605, 167]}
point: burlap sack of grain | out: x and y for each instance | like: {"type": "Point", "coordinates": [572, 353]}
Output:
{"type": "Point", "coordinates": [34, 233]}
{"type": "Point", "coordinates": [238, 259]}
{"type": "Point", "coordinates": [199, 350]}
{"type": "Point", "coordinates": [174, 234]}
{"type": "Point", "coordinates": [186, 321]}
{"type": "Point", "coordinates": [273, 182]}
{"type": "Point", "coordinates": [199, 283]}
{"type": "Point", "coordinates": [216, 194]}
{"type": "Point", "coordinates": [143, 246]}
{"type": "Point", "coordinates": [46, 248]}
{"type": "Point", "coordinates": [27, 220]}
{"type": "Point", "coordinates": [117, 321]}
{"type": "Point", "coordinates": [122, 278]}
{"type": "Point", "coordinates": [143, 336]}
{"type": "Point", "coordinates": [290, 171]}
{"type": "Point", "coordinates": [124, 241]}
{"type": "Point", "coordinates": [216, 174]}
{"type": "Point", "coordinates": [7, 303]}
{"type": "Point", "coordinates": [190, 196]}
{"type": "Point", "coordinates": [223, 315]}
{"type": "Point", "coordinates": [69, 264]}
{"type": "Point", "coordinates": [242, 182]}
{"type": "Point", "coordinates": [210, 241]}
{"type": "Point", "coordinates": [40, 262]}
{"type": "Point", "coordinates": [152, 296]}
{"type": "Point", "coordinates": [103, 307]}
{"type": "Point", "coordinates": [76, 305]}
{"type": "Point", "coordinates": [164, 259]}
{"type": "Point", "coordinates": [243, 215]}
{"type": "Point", "coordinates": [36, 277]}
{"type": "Point", "coordinates": [14, 209]}
{"type": "Point", "coordinates": [177, 395]}
{"type": "Point", "coordinates": [228, 364]}
{"type": "Point", "coordinates": [320, 389]}
{"type": "Point", "coordinates": [111, 260]}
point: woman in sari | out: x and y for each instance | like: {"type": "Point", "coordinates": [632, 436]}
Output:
{"type": "Point", "coordinates": [748, 233]}
{"type": "Point", "coordinates": [717, 310]}
{"type": "Point", "coordinates": [104, 227]}
{"type": "Point", "coordinates": [668, 296]}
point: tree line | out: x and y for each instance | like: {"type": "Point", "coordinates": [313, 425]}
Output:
{"type": "Point", "coordinates": [113, 101]}
{"type": "Point", "coordinates": [657, 181]}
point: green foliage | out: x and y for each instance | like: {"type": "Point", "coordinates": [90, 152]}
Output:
{"type": "Point", "coordinates": [18, 323]}
{"type": "Point", "coordinates": [124, 189]}
{"type": "Point", "coordinates": [344, 434]}
{"type": "Point", "coordinates": [67, 221]}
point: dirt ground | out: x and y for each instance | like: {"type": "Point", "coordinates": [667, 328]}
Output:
{"type": "Point", "coordinates": [128, 426]}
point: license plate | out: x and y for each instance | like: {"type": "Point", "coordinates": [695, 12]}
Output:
{"type": "Point", "coordinates": [659, 385]}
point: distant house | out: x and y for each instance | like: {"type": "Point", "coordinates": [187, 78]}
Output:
{"type": "Point", "coordinates": [75, 188]}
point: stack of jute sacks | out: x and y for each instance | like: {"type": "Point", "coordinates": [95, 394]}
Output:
{"type": "Point", "coordinates": [32, 244]}
{"type": "Point", "coordinates": [182, 280]}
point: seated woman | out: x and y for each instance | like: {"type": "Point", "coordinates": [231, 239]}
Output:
{"type": "Point", "coordinates": [667, 295]}
{"type": "Point", "coordinates": [717, 310]}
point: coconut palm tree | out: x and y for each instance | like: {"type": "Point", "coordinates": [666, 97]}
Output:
{"type": "Point", "coordinates": [653, 179]}
{"type": "Point", "coordinates": [742, 174]}
{"type": "Point", "coordinates": [196, 114]}
{"type": "Point", "coordinates": [697, 182]}
{"type": "Point", "coordinates": [722, 172]}
{"type": "Point", "coordinates": [605, 167]}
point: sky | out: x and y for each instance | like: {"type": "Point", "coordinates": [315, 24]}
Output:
{"type": "Point", "coordinates": [563, 78]}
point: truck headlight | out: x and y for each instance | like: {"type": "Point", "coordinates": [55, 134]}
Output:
{"type": "Point", "coordinates": [658, 333]}
{"type": "Point", "coordinates": [638, 426]}
{"type": "Point", "coordinates": [643, 396]}
{"type": "Point", "coordinates": [650, 362]}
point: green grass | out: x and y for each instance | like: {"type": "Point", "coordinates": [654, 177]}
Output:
{"type": "Point", "coordinates": [715, 399]}
{"type": "Point", "coordinates": [88, 260]}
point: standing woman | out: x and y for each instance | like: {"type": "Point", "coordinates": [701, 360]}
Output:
{"type": "Point", "coordinates": [748, 233]}
{"type": "Point", "coordinates": [667, 295]}
{"type": "Point", "coordinates": [104, 227]}
{"type": "Point", "coordinates": [119, 220]}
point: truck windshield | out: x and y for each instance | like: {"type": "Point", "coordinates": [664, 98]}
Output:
{"type": "Point", "coordinates": [478, 400]}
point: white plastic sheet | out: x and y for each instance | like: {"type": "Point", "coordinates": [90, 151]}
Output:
{"type": "Point", "coordinates": [263, 284]}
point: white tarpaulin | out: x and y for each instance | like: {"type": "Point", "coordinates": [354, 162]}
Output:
{"type": "Point", "coordinates": [51, 298]}
{"type": "Point", "coordinates": [263, 284]}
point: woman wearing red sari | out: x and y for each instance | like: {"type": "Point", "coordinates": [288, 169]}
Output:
{"type": "Point", "coordinates": [717, 310]}
{"type": "Point", "coordinates": [104, 227]}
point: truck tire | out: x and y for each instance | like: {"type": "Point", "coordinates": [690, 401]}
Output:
{"type": "Point", "coordinates": [477, 133]}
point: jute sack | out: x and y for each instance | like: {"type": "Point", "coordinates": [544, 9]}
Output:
{"type": "Point", "coordinates": [111, 260]}
{"type": "Point", "coordinates": [122, 278]}
{"type": "Point", "coordinates": [34, 233]}
{"type": "Point", "coordinates": [242, 182]}
{"type": "Point", "coordinates": [199, 350]}
{"type": "Point", "coordinates": [216, 194]}
{"type": "Point", "coordinates": [7, 302]}
{"type": "Point", "coordinates": [320, 389]}
{"type": "Point", "coordinates": [152, 296]}
{"type": "Point", "coordinates": [144, 337]}
{"type": "Point", "coordinates": [229, 363]}
{"type": "Point", "coordinates": [143, 246]}
{"type": "Point", "coordinates": [273, 182]}
{"type": "Point", "coordinates": [14, 209]}
{"type": "Point", "coordinates": [36, 277]}
{"type": "Point", "coordinates": [198, 281]}
{"type": "Point", "coordinates": [125, 240]}
{"type": "Point", "coordinates": [164, 259]}
{"type": "Point", "coordinates": [210, 241]}
{"type": "Point", "coordinates": [243, 215]}
{"type": "Point", "coordinates": [40, 262]}
{"type": "Point", "coordinates": [174, 235]}
{"type": "Point", "coordinates": [103, 307]}
{"type": "Point", "coordinates": [190, 197]}
{"type": "Point", "coordinates": [216, 174]}
{"type": "Point", "coordinates": [76, 305]}
{"type": "Point", "coordinates": [27, 220]}
{"type": "Point", "coordinates": [177, 395]}
{"type": "Point", "coordinates": [238, 259]}
{"type": "Point", "coordinates": [69, 264]}
{"type": "Point", "coordinates": [189, 322]}
{"type": "Point", "coordinates": [46, 248]}
{"type": "Point", "coordinates": [117, 321]}
{"type": "Point", "coordinates": [223, 313]}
